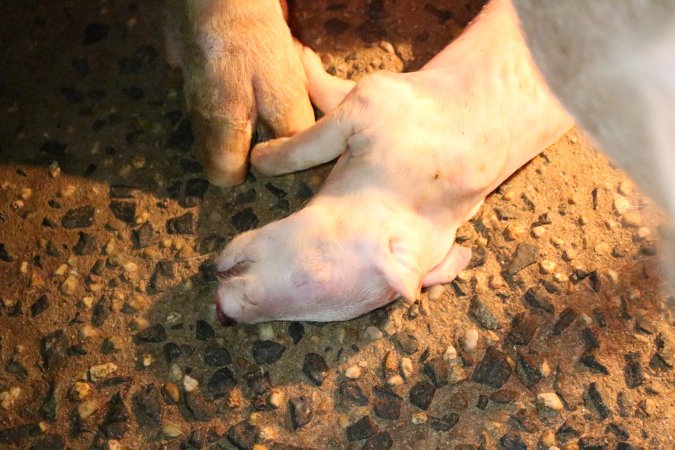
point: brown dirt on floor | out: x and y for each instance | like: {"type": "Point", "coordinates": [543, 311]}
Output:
{"type": "Point", "coordinates": [85, 93]}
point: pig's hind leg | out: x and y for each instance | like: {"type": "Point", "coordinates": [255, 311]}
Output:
{"type": "Point", "coordinates": [445, 271]}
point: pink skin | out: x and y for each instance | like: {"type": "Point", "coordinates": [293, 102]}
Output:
{"type": "Point", "coordinates": [236, 76]}
{"type": "Point", "coordinates": [418, 154]}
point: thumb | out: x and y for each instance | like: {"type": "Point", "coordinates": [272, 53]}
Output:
{"type": "Point", "coordinates": [326, 91]}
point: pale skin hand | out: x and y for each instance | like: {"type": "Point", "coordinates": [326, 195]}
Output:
{"type": "Point", "coordinates": [479, 108]}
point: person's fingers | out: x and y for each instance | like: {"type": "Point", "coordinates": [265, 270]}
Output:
{"type": "Point", "coordinates": [325, 90]}
{"type": "Point", "coordinates": [320, 143]}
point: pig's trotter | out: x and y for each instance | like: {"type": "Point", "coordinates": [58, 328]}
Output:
{"type": "Point", "coordinates": [223, 148]}
{"type": "Point", "coordinates": [454, 262]}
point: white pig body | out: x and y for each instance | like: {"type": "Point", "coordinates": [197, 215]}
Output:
{"type": "Point", "coordinates": [385, 220]}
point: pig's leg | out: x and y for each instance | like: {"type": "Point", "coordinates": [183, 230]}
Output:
{"type": "Point", "coordinates": [611, 63]}
{"type": "Point", "coordinates": [454, 262]}
{"type": "Point", "coordinates": [240, 69]}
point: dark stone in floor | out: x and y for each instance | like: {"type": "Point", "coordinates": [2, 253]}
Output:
{"type": "Point", "coordinates": [195, 190]}
{"type": "Point", "coordinates": [181, 224]}
{"type": "Point", "coordinates": [350, 393]}
{"type": "Point", "coordinates": [407, 342]}
{"type": "Point", "coordinates": [565, 319]}
{"type": "Point", "coordinates": [258, 381]}
{"type": "Point", "coordinates": [17, 369]}
{"type": "Point", "coordinates": [422, 394]}
{"type": "Point", "coordinates": [386, 403]}
{"type": "Point", "coordinates": [594, 399]}
{"type": "Point", "coordinates": [39, 306]}
{"type": "Point", "coordinates": [363, 428]}
{"type": "Point", "coordinates": [82, 217]}
{"type": "Point", "coordinates": [95, 32]}
{"type": "Point", "coordinates": [124, 210]}
{"type": "Point", "coordinates": [525, 255]}
{"type": "Point", "coordinates": [244, 220]}
{"type": "Point", "coordinates": [523, 328]}
{"type": "Point", "coordinates": [380, 441]}
{"type": "Point", "coordinates": [592, 443]}
{"type": "Point", "coordinates": [483, 314]}
{"type": "Point", "coordinates": [304, 192]}
{"type": "Point", "coordinates": [444, 423]}
{"type": "Point", "coordinates": [204, 331]}
{"type": "Point", "coordinates": [301, 411]}
{"type": "Point", "coordinates": [143, 236]}
{"type": "Point", "coordinates": [154, 334]}
{"type": "Point", "coordinates": [590, 338]}
{"type": "Point", "coordinates": [114, 425]}
{"type": "Point", "coordinates": [437, 370]}
{"type": "Point", "coordinates": [493, 370]}
{"type": "Point", "coordinates": [315, 368]}
{"type": "Point", "coordinates": [632, 372]}
{"type": "Point", "coordinates": [101, 311]}
{"type": "Point", "coordinates": [86, 244]}
{"type": "Point", "coordinates": [512, 441]}
{"type": "Point", "coordinates": [267, 352]}
{"type": "Point", "coordinates": [296, 331]}
{"type": "Point", "coordinates": [171, 351]}
{"type": "Point", "coordinates": [146, 407]}
{"type": "Point", "coordinates": [217, 356]}
{"type": "Point", "coordinates": [201, 410]}
{"type": "Point", "coordinates": [50, 405]}
{"type": "Point", "coordinates": [537, 298]}
{"type": "Point", "coordinates": [243, 435]}
{"type": "Point", "coordinates": [4, 254]}
{"type": "Point", "coordinates": [589, 360]}
{"type": "Point", "coordinates": [163, 276]}
{"type": "Point", "coordinates": [53, 349]}
{"type": "Point", "coordinates": [221, 382]}
{"type": "Point", "coordinates": [527, 370]}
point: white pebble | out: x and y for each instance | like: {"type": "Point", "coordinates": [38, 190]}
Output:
{"type": "Point", "coordinates": [435, 292]}
{"type": "Point", "coordinates": [9, 397]}
{"type": "Point", "coordinates": [101, 371]}
{"type": "Point", "coordinates": [86, 409]}
{"type": "Point", "coordinates": [175, 373]}
{"type": "Point", "coordinates": [569, 254]}
{"type": "Point", "coordinates": [545, 369]}
{"type": "Point", "coordinates": [406, 367]}
{"type": "Point", "coordinates": [550, 400]}
{"type": "Point", "coordinates": [621, 204]}
{"type": "Point", "coordinates": [189, 383]}
{"type": "Point", "coordinates": [450, 354]}
{"type": "Point", "coordinates": [547, 266]}
{"type": "Point", "coordinates": [340, 335]}
{"type": "Point", "coordinates": [173, 318]}
{"type": "Point", "coordinates": [373, 333]}
{"type": "Point", "coordinates": [624, 188]}
{"type": "Point", "coordinates": [395, 380]}
{"type": "Point", "coordinates": [538, 231]}
{"type": "Point", "coordinates": [470, 339]}
{"type": "Point", "coordinates": [171, 431]}
{"type": "Point", "coordinates": [266, 332]}
{"type": "Point", "coordinates": [276, 398]}
{"type": "Point", "coordinates": [419, 418]}
{"type": "Point", "coordinates": [353, 372]}
{"type": "Point", "coordinates": [113, 444]}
